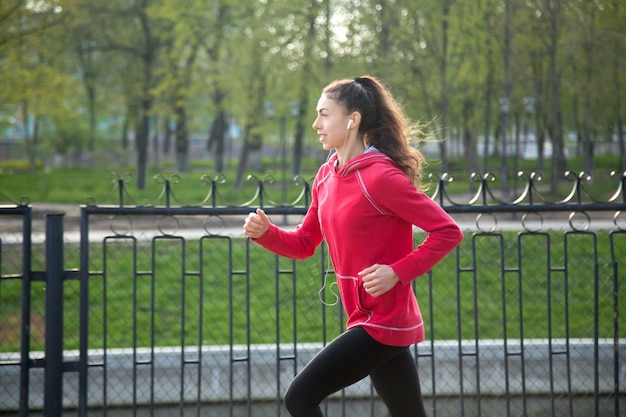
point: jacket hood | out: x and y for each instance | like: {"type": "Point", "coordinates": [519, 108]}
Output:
{"type": "Point", "coordinates": [370, 157]}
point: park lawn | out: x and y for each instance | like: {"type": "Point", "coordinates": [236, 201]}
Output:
{"type": "Point", "coordinates": [100, 185]}
{"type": "Point", "coordinates": [81, 186]}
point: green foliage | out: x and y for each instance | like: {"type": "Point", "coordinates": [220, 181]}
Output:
{"type": "Point", "coordinates": [70, 134]}
{"type": "Point", "coordinates": [123, 70]}
{"type": "Point", "coordinates": [12, 166]}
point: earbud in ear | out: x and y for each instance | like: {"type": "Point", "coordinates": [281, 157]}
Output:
{"type": "Point", "coordinates": [349, 124]}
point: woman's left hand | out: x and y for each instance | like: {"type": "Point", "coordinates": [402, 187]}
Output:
{"type": "Point", "coordinates": [378, 279]}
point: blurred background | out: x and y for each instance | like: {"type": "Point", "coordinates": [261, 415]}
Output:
{"type": "Point", "coordinates": [231, 86]}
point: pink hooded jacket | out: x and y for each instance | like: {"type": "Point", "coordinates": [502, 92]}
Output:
{"type": "Point", "coordinates": [365, 212]}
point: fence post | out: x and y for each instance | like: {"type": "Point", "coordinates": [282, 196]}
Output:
{"type": "Point", "coordinates": [53, 379]}
{"type": "Point", "coordinates": [26, 306]}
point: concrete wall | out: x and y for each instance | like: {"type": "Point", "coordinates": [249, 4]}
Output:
{"type": "Point", "coordinates": [165, 383]}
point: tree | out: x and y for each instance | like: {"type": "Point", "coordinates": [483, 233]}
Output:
{"type": "Point", "coordinates": [78, 29]}
{"type": "Point", "coordinates": [254, 41]}
{"type": "Point", "coordinates": [553, 16]}
{"type": "Point", "coordinates": [186, 65]}
{"type": "Point", "coordinates": [129, 29]}
{"type": "Point", "coordinates": [26, 72]}
{"type": "Point", "coordinates": [617, 14]}
{"type": "Point", "coordinates": [507, 96]}
{"type": "Point", "coordinates": [310, 61]}
{"type": "Point", "coordinates": [584, 18]}
{"type": "Point", "coordinates": [215, 44]}
{"type": "Point", "coordinates": [181, 32]}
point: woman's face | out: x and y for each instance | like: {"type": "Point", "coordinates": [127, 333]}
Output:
{"type": "Point", "coordinates": [331, 123]}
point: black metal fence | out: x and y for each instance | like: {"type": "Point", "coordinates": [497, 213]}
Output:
{"type": "Point", "coordinates": [162, 310]}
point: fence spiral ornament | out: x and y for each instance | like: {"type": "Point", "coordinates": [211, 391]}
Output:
{"type": "Point", "coordinates": [531, 203]}
{"type": "Point", "coordinates": [121, 225]}
{"type": "Point", "coordinates": [483, 200]}
{"type": "Point", "coordinates": [22, 202]}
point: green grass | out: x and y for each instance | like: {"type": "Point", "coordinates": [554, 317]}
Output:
{"type": "Point", "coordinates": [192, 292]}
{"type": "Point", "coordinates": [80, 185]}
{"type": "Point", "coordinates": [100, 186]}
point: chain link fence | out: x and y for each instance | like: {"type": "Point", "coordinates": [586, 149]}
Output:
{"type": "Point", "coordinates": [176, 314]}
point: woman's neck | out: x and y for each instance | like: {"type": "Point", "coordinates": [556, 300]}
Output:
{"type": "Point", "coordinates": [345, 154]}
{"type": "Point", "coordinates": [350, 150]}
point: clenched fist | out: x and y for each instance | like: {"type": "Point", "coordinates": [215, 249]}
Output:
{"type": "Point", "coordinates": [378, 279]}
{"type": "Point", "coordinates": [256, 224]}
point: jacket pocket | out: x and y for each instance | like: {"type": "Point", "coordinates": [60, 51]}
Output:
{"type": "Point", "coordinates": [365, 302]}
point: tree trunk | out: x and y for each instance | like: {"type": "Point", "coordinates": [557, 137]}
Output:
{"type": "Point", "coordinates": [469, 145]}
{"type": "Point", "coordinates": [538, 110]}
{"type": "Point", "coordinates": [91, 143]}
{"type": "Point", "coordinates": [182, 138]}
{"type": "Point", "coordinates": [556, 123]}
{"type": "Point", "coordinates": [588, 134]}
{"type": "Point", "coordinates": [303, 103]}
{"type": "Point", "coordinates": [507, 94]}
{"type": "Point", "coordinates": [622, 145]}
{"type": "Point", "coordinates": [31, 151]}
{"type": "Point", "coordinates": [243, 159]}
{"type": "Point", "coordinates": [148, 58]}
{"type": "Point", "coordinates": [217, 139]}
{"type": "Point", "coordinates": [167, 137]}
{"type": "Point", "coordinates": [142, 144]}
{"type": "Point", "coordinates": [541, 139]}
{"type": "Point", "coordinates": [443, 154]}
{"type": "Point", "coordinates": [156, 151]}
{"type": "Point", "coordinates": [617, 75]}
{"type": "Point", "coordinates": [488, 100]}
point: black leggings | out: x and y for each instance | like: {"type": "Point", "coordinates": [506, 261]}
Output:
{"type": "Point", "coordinates": [349, 358]}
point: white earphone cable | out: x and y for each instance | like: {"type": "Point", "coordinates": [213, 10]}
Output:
{"type": "Point", "coordinates": [335, 294]}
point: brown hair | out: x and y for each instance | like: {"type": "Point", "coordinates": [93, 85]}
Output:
{"type": "Point", "coordinates": [383, 123]}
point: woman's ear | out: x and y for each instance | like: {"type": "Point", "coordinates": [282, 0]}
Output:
{"type": "Point", "coordinates": [355, 118]}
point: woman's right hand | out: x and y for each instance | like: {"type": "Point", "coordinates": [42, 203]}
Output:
{"type": "Point", "coordinates": [256, 224]}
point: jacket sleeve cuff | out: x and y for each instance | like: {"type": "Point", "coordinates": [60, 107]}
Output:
{"type": "Point", "coordinates": [406, 270]}
{"type": "Point", "coordinates": [265, 236]}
